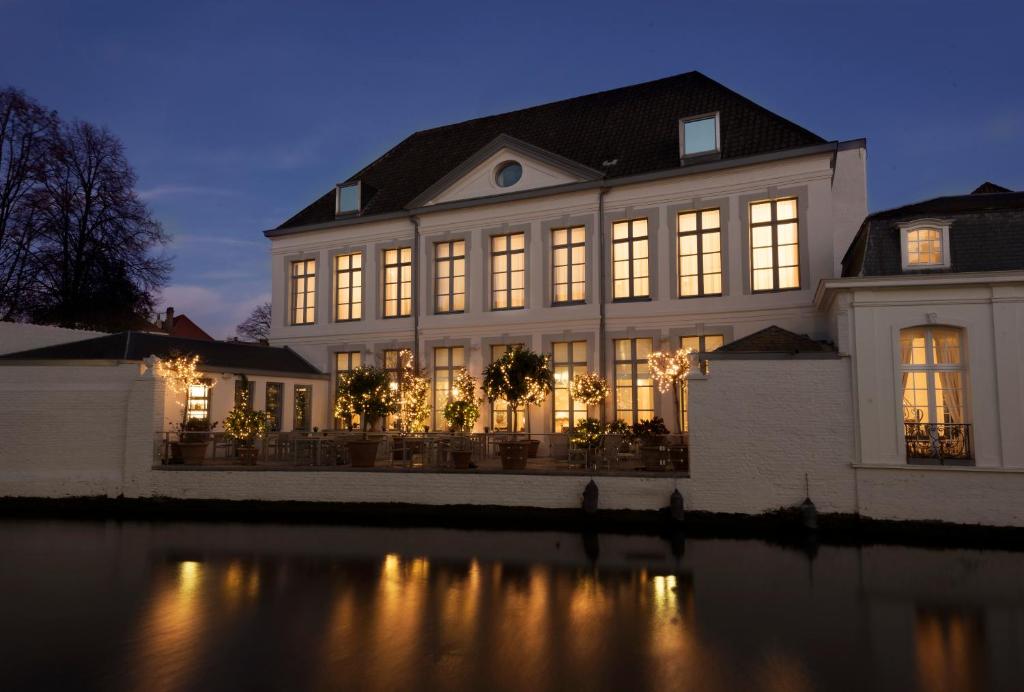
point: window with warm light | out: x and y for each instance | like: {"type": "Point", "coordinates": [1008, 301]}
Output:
{"type": "Point", "coordinates": [501, 413]}
{"type": "Point", "coordinates": [568, 359]}
{"type": "Point", "coordinates": [704, 343]}
{"type": "Point", "coordinates": [398, 282]}
{"type": "Point", "coordinates": [303, 407]}
{"type": "Point", "coordinates": [634, 388]}
{"type": "Point", "coordinates": [447, 360]}
{"type": "Point", "coordinates": [700, 253]}
{"type": "Point", "coordinates": [348, 281]}
{"type": "Point", "coordinates": [392, 360]}
{"type": "Point", "coordinates": [275, 394]}
{"type": "Point", "coordinates": [346, 361]}
{"type": "Point", "coordinates": [303, 298]}
{"type": "Point", "coordinates": [198, 401]}
{"type": "Point", "coordinates": [774, 245]}
{"type": "Point", "coordinates": [450, 276]}
{"type": "Point", "coordinates": [568, 265]}
{"type": "Point", "coordinates": [925, 244]}
{"type": "Point", "coordinates": [630, 273]}
{"type": "Point", "coordinates": [932, 375]}
{"type": "Point", "coordinates": [508, 271]}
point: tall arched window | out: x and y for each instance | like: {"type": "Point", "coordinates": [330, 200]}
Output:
{"type": "Point", "coordinates": [934, 386]}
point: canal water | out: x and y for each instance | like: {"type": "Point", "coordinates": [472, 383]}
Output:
{"type": "Point", "coordinates": [194, 606]}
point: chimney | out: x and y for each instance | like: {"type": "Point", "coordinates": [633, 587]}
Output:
{"type": "Point", "coordinates": [169, 320]}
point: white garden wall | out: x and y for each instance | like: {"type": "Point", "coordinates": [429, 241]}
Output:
{"type": "Point", "coordinates": [17, 336]}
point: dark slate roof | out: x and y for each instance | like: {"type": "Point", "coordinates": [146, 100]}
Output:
{"type": "Point", "coordinates": [988, 186]}
{"type": "Point", "coordinates": [986, 234]}
{"type": "Point", "coordinates": [775, 340]}
{"type": "Point", "coordinates": [637, 126]}
{"type": "Point", "coordinates": [229, 356]}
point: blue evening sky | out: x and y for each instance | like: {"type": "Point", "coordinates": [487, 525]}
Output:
{"type": "Point", "coordinates": [237, 114]}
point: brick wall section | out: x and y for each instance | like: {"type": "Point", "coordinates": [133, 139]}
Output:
{"type": "Point", "coordinates": [758, 426]}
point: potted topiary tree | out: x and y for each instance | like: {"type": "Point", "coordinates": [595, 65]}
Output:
{"type": "Point", "coordinates": [520, 377]}
{"type": "Point", "coordinates": [372, 397]}
{"type": "Point", "coordinates": [244, 425]}
{"type": "Point", "coordinates": [182, 375]}
{"type": "Point", "coordinates": [461, 413]}
{"type": "Point", "coordinates": [413, 404]}
{"type": "Point", "coordinates": [670, 371]}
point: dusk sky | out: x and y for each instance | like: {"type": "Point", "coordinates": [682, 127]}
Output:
{"type": "Point", "coordinates": [237, 114]}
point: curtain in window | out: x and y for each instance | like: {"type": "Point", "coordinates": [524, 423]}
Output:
{"type": "Point", "coordinates": [947, 352]}
{"type": "Point", "coordinates": [906, 357]}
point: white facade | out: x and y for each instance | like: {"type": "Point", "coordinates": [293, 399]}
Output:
{"type": "Point", "coordinates": [827, 182]}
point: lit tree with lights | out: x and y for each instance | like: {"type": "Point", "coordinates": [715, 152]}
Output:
{"type": "Point", "coordinates": [521, 377]}
{"type": "Point", "coordinates": [463, 407]}
{"type": "Point", "coordinates": [669, 371]}
{"type": "Point", "coordinates": [182, 375]}
{"type": "Point", "coordinates": [589, 388]}
{"type": "Point", "coordinates": [413, 394]}
{"type": "Point", "coordinates": [244, 424]}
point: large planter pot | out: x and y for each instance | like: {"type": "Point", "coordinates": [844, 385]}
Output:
{"type": "Point", "coordinates": [652, 457]}
{"type": "Point", "coordinates": [363, 453]}
{"type": "Point", "coordinates": [680, 458]}
{"type": "Point", "coordinates": [534, 448]}
{"type": "Point", "coordinates": [175, 454]}
{"type": "Point", "coordinates": [462, 458]}
{"type": "Point", "coordinates": [513, 455]}
{"type": "Point", "coordinates": [192, 452]}
{"type": "Point", "coordinates": [248, 453]}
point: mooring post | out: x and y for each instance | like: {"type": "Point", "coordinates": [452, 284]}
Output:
{"type": "Point", "coordinates": [676, 506]}
{"type": "Point", "coordinates": [590, 494]}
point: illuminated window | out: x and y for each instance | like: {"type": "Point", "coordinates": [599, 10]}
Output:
{"type": "Point", "coordinates": [346, 361]}
{"type": "Point", "coordinates": [569, 358]}
{"type": "Point", "coordinates": [629, 259]}
{"type": "Point", "coordinates": [447, 360]}
{"type": "Point", "coordinates": [450, 276]}
{"type": "Point", "coordinates": [925, 244]}
{"type": "Point", "coordinates": [198, 404]}
{"type": "Point", "coordinates": [774, 245]}
{"type": "Point", "coordinates": [392, 359]}
{"type": "Point", "coordinates": [508, 271]}
{"type": "Point", "coordinates": [698, 135]}
{"type": "Point", "coordinates": [932, 375]}
{"type": "Point", "coordinates": [634, 388]}
{"type": "Point", "coordinates": [700, 253]}
{"type": "Point", "coordinates": [398, 282]}
{"type": "Point", "coordinates": [348, 272]}
{"type": "Point", "coordinates": [303, 407]}
{"type": "Point", "coordinates": [304, 291]}
{"type": "Point", "coordinates": [501, 413]}
{"type": "Point", "coordinates": [569, 265]}
{"type": "Point", "coordinates": [701, 344]}
{"type": "Point", "coordinates": [275, 393]}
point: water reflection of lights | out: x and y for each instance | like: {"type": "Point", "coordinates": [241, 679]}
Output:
{"type": "Point", "coordinates": [189, 574]}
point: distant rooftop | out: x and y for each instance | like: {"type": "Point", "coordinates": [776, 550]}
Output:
{"type": "Point", "coordinates": [775, 340]}
{"type": "Point", "coordinates": [226, 356]}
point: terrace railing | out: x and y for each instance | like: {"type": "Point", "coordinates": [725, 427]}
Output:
{"type": "Point", "coordinates": [938, 442]}
{"type": "Point", "coordinates": [550, 451]}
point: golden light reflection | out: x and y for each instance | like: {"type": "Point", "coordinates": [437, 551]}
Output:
{"type": "Point", "coordinates": [949, 648]}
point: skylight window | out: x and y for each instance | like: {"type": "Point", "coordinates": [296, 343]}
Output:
{"type": "Point", "coordinates": [698, 135]}
{"type": "Point", "coordinates": [349, 197]}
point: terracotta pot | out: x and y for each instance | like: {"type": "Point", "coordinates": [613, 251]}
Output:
{"type": "Point", "coordinates": [513, 455]}
{"type": "Point", "coordinates": [652, 458]}
{"type": "Point", "coordinates": [534, 448]}
{"type": "Point", "coordinates": [175, 456]}
{"type": "Point", "coordinates": [192, 452]}
{"type": "Point", "coordinates": [248, 453]}
{"type": "Point", "coordinates": [363, 453]}
{"type": "Point", "coordinates": [461, 458]}
{"type": "Point", "coordinates": [680, 458]}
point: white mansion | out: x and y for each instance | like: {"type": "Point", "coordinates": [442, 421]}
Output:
{"type": "Point", "coordinates": [595, 229]}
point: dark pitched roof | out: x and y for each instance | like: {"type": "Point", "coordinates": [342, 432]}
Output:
{"type": "Point", "coordinates": [637, 126]}
{"type": "Point", "coordinates": [986, 234]}
{"type": "Point", "coordinates": [987, 186]}
{"type": "Point", "coordinates": [775, 340]}
{"type": "Point", "coordinates": [228, 356]}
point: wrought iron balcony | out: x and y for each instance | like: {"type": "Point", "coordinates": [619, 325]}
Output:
{"type": "Point", "coordinates": [941, 442]}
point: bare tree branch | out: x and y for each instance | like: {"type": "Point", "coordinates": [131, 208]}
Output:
{"type": "Point", "coordinates": [256, 327]}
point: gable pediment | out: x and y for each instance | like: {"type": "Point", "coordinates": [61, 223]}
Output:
{"type": "Point", "coordinates": [477, 176]}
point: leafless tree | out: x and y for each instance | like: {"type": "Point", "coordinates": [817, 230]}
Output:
{"type": "Point", "coordinates": [96, 264]}
{"type": "Point", "coordinates": [256, 326]}
{"type": "Point", "coordinates": [26, 136]}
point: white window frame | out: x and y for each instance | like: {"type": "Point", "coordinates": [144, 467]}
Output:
{"type": "Point", "coordinates": [940, 225]}
{"type": "Point", "coordinates": [682, 135]}
{"type": "Point", "coordinates": [338, 211]}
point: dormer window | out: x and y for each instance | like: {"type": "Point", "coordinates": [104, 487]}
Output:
{"type": "Point", "coordinates": [699, 136]}
{"type": "Point", "coordinates": [508, 174]}
{"type": "Point", "coordinates": [349, 198]}
{"type": "Point", "coordinates": [925, 244]}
